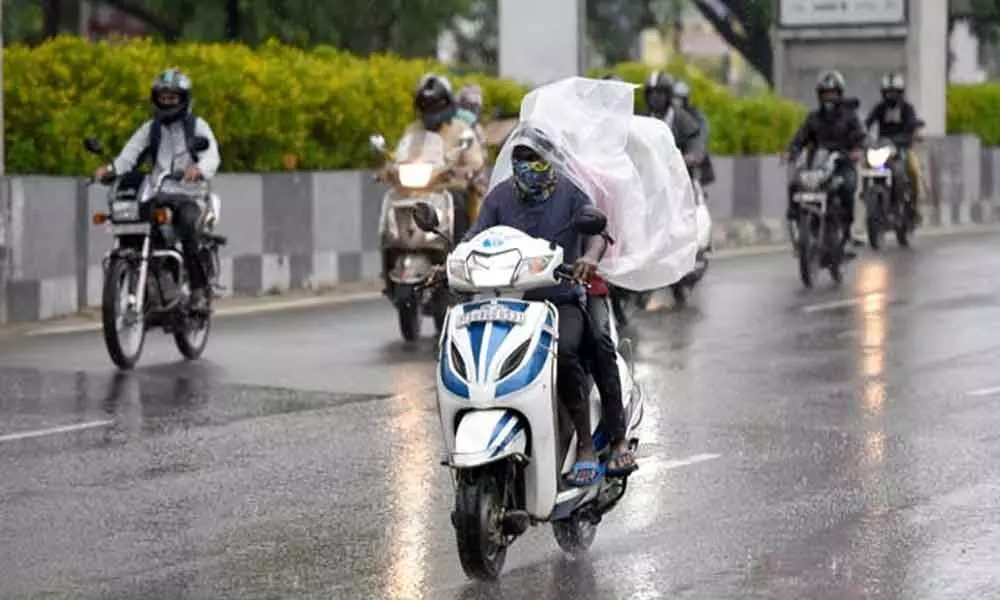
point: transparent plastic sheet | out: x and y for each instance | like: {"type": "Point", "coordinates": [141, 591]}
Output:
{"type": "Point", "coordinates": [629, 166]}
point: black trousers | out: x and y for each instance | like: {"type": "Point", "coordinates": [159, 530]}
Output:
{"type": "Point", "coordinates": [570, 376]}
{"type": "Point", "coordinates": [187, 213]}
{"type": "Point", "coordinates": [604, 365]}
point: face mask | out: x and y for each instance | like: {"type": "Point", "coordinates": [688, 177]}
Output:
{"type": "Point", "coordinates": [828, 105]}
{"type": "Point", "coordinates": [435, 121]}
{"type": "Point", "coordinates": [535, 179]}
{"type": "Point", "coordinates": [658, 102]}
{"type": "Point", "coordinates": [466, 115]}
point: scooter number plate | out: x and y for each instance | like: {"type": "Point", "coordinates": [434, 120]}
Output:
{"type": "Point", "coordinates": [490, 314]}
{"type": "Point", "coordinates": [809, 197]}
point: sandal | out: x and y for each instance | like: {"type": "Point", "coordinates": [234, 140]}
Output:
{"type": "Point", "coordinates": [621, 463]}
{"type": "Point", "coordinates": [585, 474]}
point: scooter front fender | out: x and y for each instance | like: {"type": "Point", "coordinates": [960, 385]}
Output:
{"type": "Point", "coordinates": [487, 436]}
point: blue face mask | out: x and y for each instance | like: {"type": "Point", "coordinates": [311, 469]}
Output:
{"type": "Point", "coordinates": [466, 115]}
{"type": "Point", "coordinates": [534, 179]}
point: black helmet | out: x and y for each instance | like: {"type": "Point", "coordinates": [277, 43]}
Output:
{"type": "Point", "coordinates": [659, 93]}
{"type": "Point", "coordinates": [434, 101]}
{"type": "Point", "coordinates": [171, 81]}
{"type": "Point", "coordinates": [830, 82]}
{"type": "Point", "coordinates": [893, 87]}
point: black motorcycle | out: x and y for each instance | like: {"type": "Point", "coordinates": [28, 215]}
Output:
{"type": "Point", "coordinates": [818, 234]}
{"type": "Point", "coordinates": [884, 181]}
{"type": "Point", "coordinates": [145, 281]}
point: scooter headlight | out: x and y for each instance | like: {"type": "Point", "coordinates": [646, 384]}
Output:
{"type": "Point", "coordinates": [457, 269]}
{"type": "Point", "coordinates": [533, 265]}
{"type": "Point", "coordinates": [877, 157]}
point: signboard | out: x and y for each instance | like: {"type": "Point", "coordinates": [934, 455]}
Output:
{"type": "Point", "coordinates": [841, 13]}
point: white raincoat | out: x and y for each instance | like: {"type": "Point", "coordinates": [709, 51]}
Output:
{"type": "Point", "coordinates": [629, 166]}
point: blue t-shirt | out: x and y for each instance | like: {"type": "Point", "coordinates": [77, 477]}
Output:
{"type": "Point", "coordinates": [550, 219]}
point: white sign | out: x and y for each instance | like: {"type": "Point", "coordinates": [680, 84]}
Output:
{"type": "Point", "coordinates": [834, 13]}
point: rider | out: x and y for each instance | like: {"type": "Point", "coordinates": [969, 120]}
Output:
{"type": "Point", "coordinates": [659, 94]}
{"type": "Point", "coordinates": [437, 108]}
{"type": "Point", "coordinates": [470, 108]}
{"type": "Point", "coordinates": [833, 126]}
{"type": "Point", "coordinates": [682, 94]}
{"type": "Point", "coordinates": [540, 201]}
{"type": "Point", "coordinates": [174, 127]}
{"type": "Point", "coordinates": [897, 120]}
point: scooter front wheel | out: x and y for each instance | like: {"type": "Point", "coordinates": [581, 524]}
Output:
{"type": "Point", "coordinates": [482, 547]}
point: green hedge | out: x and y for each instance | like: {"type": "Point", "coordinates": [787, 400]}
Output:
{"type": "Point", "coordinates": [319, 106]}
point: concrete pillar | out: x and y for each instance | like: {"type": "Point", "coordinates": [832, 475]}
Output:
{"type": "Point", "coordinates": [927, 62]}
{"type": "Point", "coordinates": [541, 40]}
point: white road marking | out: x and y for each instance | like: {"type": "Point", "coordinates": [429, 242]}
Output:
{"type": "Point", "coordinates": [832, 305]}
{"type": "Point", "coordinates": [228, 312]}
{"type": "Point", "coordinates": [657, 464]}
{"type": "Point", "coordinates": [990, 391]}
{"type": "Point", "coordinates": [25, 435]}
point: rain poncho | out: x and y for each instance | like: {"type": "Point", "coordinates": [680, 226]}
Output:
{"type": "Point", "coordinates": [629, 166]}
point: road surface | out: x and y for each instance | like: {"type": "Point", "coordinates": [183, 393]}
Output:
{"type": "Point", "coordinates": [836, 443]}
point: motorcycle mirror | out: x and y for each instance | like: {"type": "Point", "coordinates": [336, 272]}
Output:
{"type": "Point", "coordinates": [93, 145]}
{"type": "Point", "coordinates": [426, 217]}
{"type": "Point", "coordinates": [200, 143]}
{"type": "Point", "coordinates": [590, 221]}
{"type": "Point", "coordinates": [377, 142]}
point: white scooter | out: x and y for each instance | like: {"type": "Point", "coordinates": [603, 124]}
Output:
{"type": "Point", "coordinates": [703, 222]}
{"type": "Point", "coordinates": [509, 441]}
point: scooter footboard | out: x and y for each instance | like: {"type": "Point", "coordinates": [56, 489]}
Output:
{"type": "Point", "coordinates": [487, 436]}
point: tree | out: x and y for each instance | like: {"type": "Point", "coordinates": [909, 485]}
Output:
{"type": "Point", "coordinates": [746, 26]}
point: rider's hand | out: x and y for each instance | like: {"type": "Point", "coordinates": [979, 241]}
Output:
{"type": "Point", "coordinates": [192, 174]}
{"type": "Point", "coordinates": [385, 174]}
{"type": "Point", "coordinates": [584, 269]}
{"type": "Point", "coordinates": [436, 274]}
{"type": "Point", "coordinates": [102, 172]}
{"type": "Point", "coordinates": [856, 154]}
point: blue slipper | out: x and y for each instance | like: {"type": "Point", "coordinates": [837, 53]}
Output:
{"type": "Point", "coordinates": [625, 462]}
{"type": "Point", "coordinates": [578, 476]}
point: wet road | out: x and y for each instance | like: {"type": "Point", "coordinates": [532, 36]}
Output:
{"type": "Point", "coordinates": [825, 444]}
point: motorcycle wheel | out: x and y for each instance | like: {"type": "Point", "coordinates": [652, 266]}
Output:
{"type": "Point", "coordinates": [440, 309]}
{"type": "Point", "coordinates": [191, 342]}
{"type": "Point", "coordinates": [874, 219]}
{"type": "Point", "coordinates": [575, 534]}
{"type": "Point", "coordinates": [482, 548]}
{"type": "Point", "coordinates": [120, 282]}
{"type": "Point", "coordinates": [807, 252]}
{"type": "Point", "coordinates": [410, 318]}
{"type": "Point", "coordinates": [904, 227]}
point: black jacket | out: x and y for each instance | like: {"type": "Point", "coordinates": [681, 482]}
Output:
{"type": "Point", "coordinates": [839, 130]}
{"type": "Point", "coordinates": [897, 124]}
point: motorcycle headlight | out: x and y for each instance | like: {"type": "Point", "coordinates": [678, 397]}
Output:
{"type": "Point", "coordinates": [533, 265]}
{"type": "Point", "coordinates": [415, 175]}
{"type": "Point", "coordinates": [876, 157]}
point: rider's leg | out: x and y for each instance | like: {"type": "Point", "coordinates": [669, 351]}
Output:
{"type": "Point", "coordinates": [570, 380]}
{"type": "Point", "coordinates": [913, 169]}
{"type": "Point", "coordinates": [608, 381]}
{"type": "Point", "coordinates": [847, 200]}
{"type": "Point", "coordinates": [186, 217]}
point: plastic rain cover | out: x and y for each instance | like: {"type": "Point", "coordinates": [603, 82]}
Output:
{"type": "Point", "coordinates": [629, 166]}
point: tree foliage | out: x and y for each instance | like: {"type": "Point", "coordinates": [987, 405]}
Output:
{"type": "Point", "coordinates": [746, 26]}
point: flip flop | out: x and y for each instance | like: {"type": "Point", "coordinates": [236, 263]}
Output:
{"type": "Point", "coordinates": [576, 478]}
{"type": "Point", "coordinates": [621, 470]}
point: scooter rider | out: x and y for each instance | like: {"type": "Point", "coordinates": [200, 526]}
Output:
{"type": "Point", "coordinates": [540, 201]}
{"type": "Point", "coordinates": [897, 120]}
{"type": "Point", "coordinates": [470, 108]}
{"type": "Point", "coordinates": [659, 94]}
{"type": "Point", "coordinates": [682, 96]}
{"type": "Point", "coordinates": [834, 126]}
{"type": "Point", "coordinates": [172, 130]}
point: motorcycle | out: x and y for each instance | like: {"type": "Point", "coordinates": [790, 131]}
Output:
{"type": "Point", "coordinates": [883, 211]}
{"type": "Point", "coordinates": [681, 290]}
{"type": "Point", "coordinates": [145, 281]}
{"type": "Point", "coordinates": [818, 235]}
{"type": "Point", "coordinates": [509, 441]}
{"type": "Point", "coordinates": [421, 175]}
